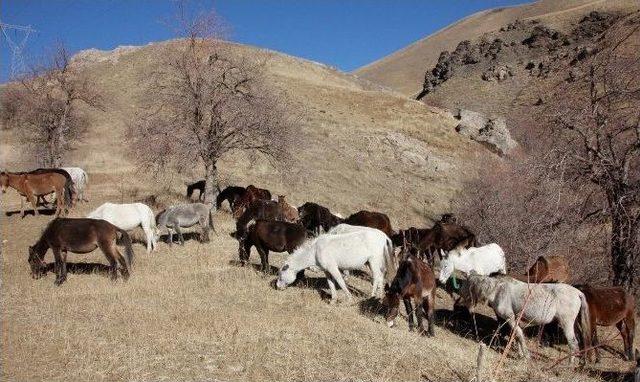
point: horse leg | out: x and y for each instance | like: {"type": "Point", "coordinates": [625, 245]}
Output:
{"type": "Point", "coordinates": [204, 235]}
{"type": "Point", "coordinates": [410, 315]}
{"type": "Point", "coordinates": [569, 333]}
{"type": "Point", "coordinates": [630, 325]}
{"type": "Point", "coordinates": [419, 315]}
{"type": "Point", "coordinates": [332, 288]}
{"type": "Point", "coordinates": [22, 206]}
{"type": "Point", "coordinates": [428, 304]}
{"type": "Point", "coordinates": [595, 343]}
{"type": "Point", "coordinates": [34, 203]}
{"type": "Point", "coordinates": [179, 232]}
{"type": "Point", "coordinates": [109, 250]}
{"type": "Point", "coordinates": [624, 332]}
{"type": "Point", "coordinates": [264, 257]}
{"type": "Point", "coordinates": [337, 276]}
{"type": "Point", "coordinates": [378, 277]}
{"type": "Point", "coordinates": [60, 277]}
{"type": "Point", "coordinates": [522, 345]}
{"type": "Point", "coordinates": [124, 270]}
{"type": "Point", "coordinates": [149, 234]}
{"type": "Point", "coordinates": [60, 208]}
{"type": "Point", "coordinates": [170, 233]}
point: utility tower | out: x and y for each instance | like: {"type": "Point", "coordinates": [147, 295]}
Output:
{"type": "Point", "coordinates": [16, 44]}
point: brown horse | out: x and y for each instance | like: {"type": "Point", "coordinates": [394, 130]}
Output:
{"type": "Point", "coordinates": [251, 193]}
{"type": "Point", "coordinates": [371, 219]}
{"type": "Point", "coordinates": [445, 237]}
{"type": "Point", "coordinates": [552, 269]}
{"type": "Point", "coordinates": [610, 306]}
{"type": "Point", "coordinates": [410, 236]}
{"type": "Point", "coordinates": [314, 216]}
{"type": "Point", "coordinates": [269, 235]}
{"type": "Point", "coordinates": [39, 183]}
{"type": "Point", "coordinates": [414, 281]}
{"type": "Point", "coordinates": [287, 211]}
{"type": "Point", "coordinates": [79, 236]}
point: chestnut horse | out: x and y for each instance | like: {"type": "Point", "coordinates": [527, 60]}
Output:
{"type": "Point", "coordinates": [80, 236]}
{"type": "Point", "coordinates": [610, 306]}
{"type": "Point", "coordinates": [446, 237]}
{"type": "Point", "coordinates": [413, 281]}
{"type": "Point", "coordinates": [371, 219]}
{"type": "Point", "coordinates": [39, 183]}
{"type": "Point", "coordinates": [269, 235]}
{"type": "Point", "coordinates": [257, 210]}
{"type": "Point", "coordinates": [552, 269]}
{"type": "Point", "coordinates": [287, 211]}
{"type": "Point", "coordinates": [250, 194]}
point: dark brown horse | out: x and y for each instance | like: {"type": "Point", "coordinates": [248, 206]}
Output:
{"type": "Point", "coordinates": [257, 210]}
{"type": "Point", "coordinates": [250, 194]}
{"type": "Point", "coordinates": [315, 217]}
{"type": "Point", "coordinates": [269, 235]}
{"type": "Point", "coordinates": [371, 219]}
{"type": "Point", "coordinates": [610, 306]}
{"type": "Point", "coordinates": [231, 194]}
{"type": "Point", "coordinates": [409, 236]}
{"type": "Point", "coordinates": [39, 183]}
{"type": "Point", "coordinates": [414, 281]}
{"type": "Point", "coordinates": [445, 237]}
{"type": "Point", "coordinates": [64, 235]}
{"type": "Point", "coordinates": [552, 269]}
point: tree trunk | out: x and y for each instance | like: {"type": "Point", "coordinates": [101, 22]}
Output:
{"type": "Point", "coordinates": [210, 182]}
{"type": "Point", "coordinates": [624, 232]}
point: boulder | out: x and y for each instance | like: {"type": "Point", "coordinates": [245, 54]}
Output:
{"type": "Point", "coordinates": [491, 132]}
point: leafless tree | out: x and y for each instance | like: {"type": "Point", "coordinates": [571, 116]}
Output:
{"type": "Point", "coordinates": [206, 101]}
{"type": "Point", "coordinates": [46, 106]}
{"type": "Point", "coordinates": [596, 122]}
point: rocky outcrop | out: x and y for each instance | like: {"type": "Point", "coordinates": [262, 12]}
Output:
{"type": "Point", "coordinates": [492, 132]}
{"type": "Point", "coordinates": [498, 73]}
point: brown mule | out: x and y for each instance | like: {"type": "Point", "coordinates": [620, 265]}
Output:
{"type": "Point", "coordinates": [39, 183]}
{"type": "Point", "coordinates": [610, 306]}
{"type": "Point", "coordinates": [64, 235]}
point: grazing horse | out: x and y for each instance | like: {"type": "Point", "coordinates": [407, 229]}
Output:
{"type": "Point", "coordinates": [269, 235]}
{"type": "Point", "coordinates": [411, 236]}
{"type": "Point", "coordinates": [128, 217]}
{"type": "Point", "coordinates": [231, 194]}
{"type": "Point", "coordinates": [484, 261]}
{"type": "Point", "coordinates": [185, 216]}
{"type": "Point", "coordinates": [371, 219]}
{"type": "Point", "coordinates": [250, 194]}
{"type": "Point", "coordinates": [39, 183]}
{"type": "Point", "coordinates": [80, 181]}
{"type": "Point", "coordinates": [315, 217]}
{"type": "Point", "coordinates": [199, 185]}
{"type": "Point", "coordinates": [260, 209]}
{"type": "Point", "coordinates": [446, 237]}
{"type": "Point", "coordinates": [552, 269]}
{"type": "Point", "coordinates": [64, 235]}
{"type": "Point", "coordinates": [414, 280]}
{"type": "Point", "coordinates": [610, 306]}
{"type": "Point", "coordinates": [288, 213]}
{"type": "Point", "coordinates": [349, 251]}
{"type": "Point", "coordinates": [535, 304]}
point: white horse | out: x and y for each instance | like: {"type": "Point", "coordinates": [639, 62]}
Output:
{"type": "Point", "coordinates": [348, 251]}
{"type": "Point", "coordinates": [80, 180]}
{"type": "Point", "coordinates": [483, 260]}
{"type": "Point", "coordinates": [128, 217]}
{"type": "Point", "coordinates": [538, 304]}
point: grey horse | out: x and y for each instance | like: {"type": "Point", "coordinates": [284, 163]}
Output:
{"type": "Point", "coordinates": [185, 216]}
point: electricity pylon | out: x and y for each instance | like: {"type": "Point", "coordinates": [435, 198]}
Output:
{"type": "Point", "coordinates": [16, 46]}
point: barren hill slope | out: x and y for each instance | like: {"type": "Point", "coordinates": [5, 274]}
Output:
{"type": "Point", "coordinates": [404, 70]}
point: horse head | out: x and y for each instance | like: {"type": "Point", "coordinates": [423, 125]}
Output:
{"type": "Point", "coordinates": [37, 263]}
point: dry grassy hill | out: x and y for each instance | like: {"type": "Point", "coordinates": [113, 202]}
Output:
{"type": "Point", "coordinates": [191, 313]}
{"type": "Point", "coordinates": [404, 70]}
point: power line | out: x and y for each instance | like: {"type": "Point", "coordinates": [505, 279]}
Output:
{"type": "Point", "coordinates": [17, 46]}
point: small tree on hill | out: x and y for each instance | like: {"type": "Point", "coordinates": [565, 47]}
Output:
{"type": "Point", "coordinates": [203, 103]}
{"type": "Point", "coordinates": [45, 105]}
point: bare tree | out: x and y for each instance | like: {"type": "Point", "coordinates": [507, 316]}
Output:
{"type": "Point", "coordinates": [45, 104]}
{"type": "Point", "coordinates": [205, 102]}
{"type": "Point", "coordinates": [596, 122]}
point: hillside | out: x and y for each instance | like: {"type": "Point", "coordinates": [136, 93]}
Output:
{"type": "Point", "coordinates": [404, 70]}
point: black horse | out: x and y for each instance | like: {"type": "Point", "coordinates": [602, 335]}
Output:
{"type": "Point", "coordinates": [231, 194]}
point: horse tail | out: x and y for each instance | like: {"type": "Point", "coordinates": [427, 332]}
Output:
{"type": "Point", "coordinates": [128, 247]}
{"type": "Point", "coordinates": [220, 198]}
{"type": "Point", "coordinates": [585, 324]}
{"type": "Point", "coordinates": [390, 265]}
{"type": "Point", "coordinates": [211, 219]}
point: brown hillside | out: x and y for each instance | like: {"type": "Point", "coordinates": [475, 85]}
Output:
{"type": "Point", "coordinates": [404, 70]}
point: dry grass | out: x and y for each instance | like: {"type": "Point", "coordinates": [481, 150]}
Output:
{"type": "Point", "coordinates": [190, 313]}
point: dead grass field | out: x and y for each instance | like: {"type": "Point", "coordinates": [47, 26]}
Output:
{"type": "Point", "coordinates": [191, 313]}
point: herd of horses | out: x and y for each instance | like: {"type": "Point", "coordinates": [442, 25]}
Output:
{"type": "Point", "coordinates": [401, 262]}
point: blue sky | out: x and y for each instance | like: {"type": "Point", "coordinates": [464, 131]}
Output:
{"type": "Point", "coordinates": [343, 33]}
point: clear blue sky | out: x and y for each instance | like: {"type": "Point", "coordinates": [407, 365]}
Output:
{"type": "Point", "coordinates": [343, 33]}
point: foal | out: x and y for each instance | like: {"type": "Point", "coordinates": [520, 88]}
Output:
{"type": "Point", "coordinates": [610, 306]}
{"type": "Point", "coordinates": [414, 280]}
{"type": "Point", "coordinates": [79, 236]}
